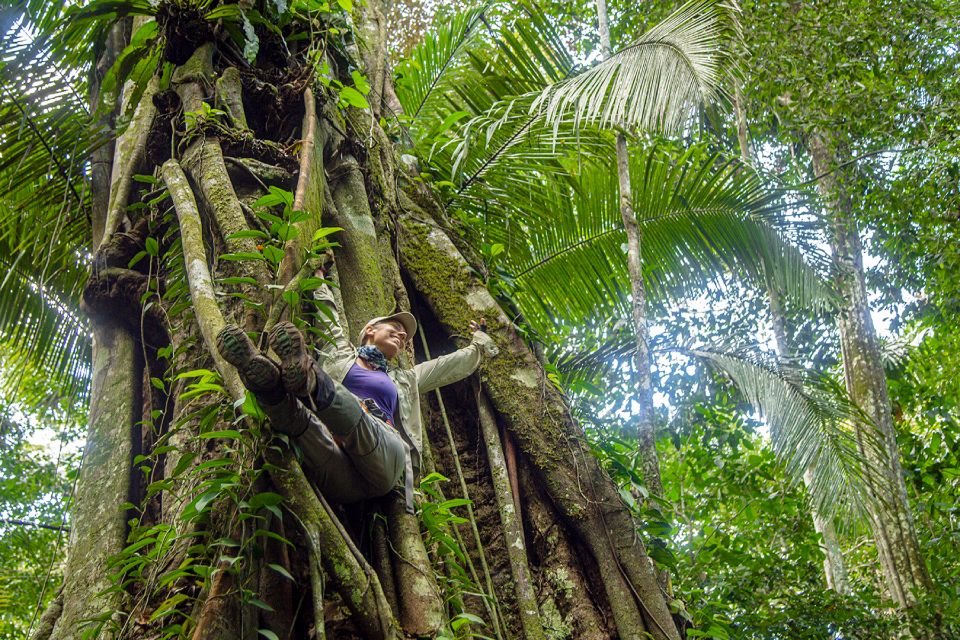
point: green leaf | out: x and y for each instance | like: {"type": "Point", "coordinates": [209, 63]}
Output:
{"type": "Point", "coordinates": [323, 232]}
{"type": "Point", "coordinates": [310, 284]}
{"type": "Point", "coordinates": [466, 618]}
{"type": "Point", "coordinates": [346, 5]}
{"type": "Point", "coordinates": [274, 255]}
{"type": "Point", "coordinates": [251, 407]}
{"type": "Point", "coordinates": [299, 216]}
{"type": "Point", "coordinates": [223, 433]}
{"type": "Point", "coordinates": [264, 499]}
{"type": "Point", "coordinates": [282, 571]}
{"type": "Point", "coordinates": [152, 246]}
{"type": "Point", "coordinates": [196, 373]}
{"type": "Point", "coordinates": [140, 255]}
{"type": "Point", "coordinates": [352, 97]}
{"type": "Point", "coordinates": [266, 633]}
{"type": "Point", "coordinates": [230, 12]}
{"type": "Point", "coordinates": [257, 602]}
{"type": "Point", "coordinates": [434, 477]}
{"type": "Point", "coordinates": [242, 255]}
{"type": "Point", "coordinates": [235, 280]}
{"type": "Point", "coordinates": [454, 502]}
{"type": "Point", "coordinates": [360, 82]}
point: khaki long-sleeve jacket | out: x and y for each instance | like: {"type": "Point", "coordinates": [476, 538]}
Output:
{"type": "Point", "coordinates": [337, 357]}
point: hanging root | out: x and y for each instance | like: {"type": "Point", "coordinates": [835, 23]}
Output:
{"type": "Point", "coordinates": [230, 96]}
{"type": "Point", "coordinates": [131, 147]}
{"type": "Point", "coordinates": [205, 164]}
{"type": "Point", "coordinates": [309, 193]}
{"type": "Point", "coordinates": [510, 517]}
{"type": "Point", "coordinates": [209, 316]}
{"type": "Point", "coordinates": [49, 619]}
{"type": "Point", "coordinates": [214, 614]}
{"type": "Point", "coordinates": [421, 608]}
{"type": "Point", "coordinates": [316, 583]}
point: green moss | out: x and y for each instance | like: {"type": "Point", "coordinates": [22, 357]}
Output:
{"type": "Point", "coordinates": [555, 626]}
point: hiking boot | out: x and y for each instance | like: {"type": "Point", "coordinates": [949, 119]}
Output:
{"type": "Point", "coordinates": [258, 373]}
{"type": "Point", "coordinates": [297, 369]}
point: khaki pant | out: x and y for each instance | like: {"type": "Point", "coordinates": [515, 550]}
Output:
{"type": "Point", "coordinates": [369, 459]}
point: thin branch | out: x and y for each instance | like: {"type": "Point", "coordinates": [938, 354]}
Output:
{"type": "Point", "coordinates": [39, 525]}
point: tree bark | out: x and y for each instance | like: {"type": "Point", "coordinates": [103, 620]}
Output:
{"type": "Point", "coordinates": [905, 573]}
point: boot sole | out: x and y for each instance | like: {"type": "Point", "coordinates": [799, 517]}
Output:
{"type": "Point", "coordinates": [257, 371]}
{"type": "Point", "coordinates": [287, 342]}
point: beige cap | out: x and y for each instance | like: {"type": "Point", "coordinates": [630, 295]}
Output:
{"type": "Point", "coordinates": [405, 318]}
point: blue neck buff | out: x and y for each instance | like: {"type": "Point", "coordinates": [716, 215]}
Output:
{"type": "Point", "coordinates": [373, 356]}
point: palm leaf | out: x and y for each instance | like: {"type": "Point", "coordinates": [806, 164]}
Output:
{"type": "Point", "coordinates": [44, 203]}
{"type": "Point", "coordinates": [658, 81]}
{"type": "Point", "coordinates": [810, 416]}
{"type": "Point", "coordinates": [700, 217]}
{"type": "Point", "coordinates": [811, 427]}
{"type": "Point", "coordinates": [434, 63]}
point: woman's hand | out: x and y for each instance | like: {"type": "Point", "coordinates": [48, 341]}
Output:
{"type": "Point", "coordinates": [481, 339]}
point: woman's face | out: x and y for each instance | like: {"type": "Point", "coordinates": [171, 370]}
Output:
{"type": "Point", "coordinates": [389, 337]}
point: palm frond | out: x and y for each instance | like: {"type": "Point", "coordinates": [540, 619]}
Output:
{"type": "Point", "coordinates": [479, 97]}
{"type": "Point", "coordinates": [700, 218]}
{"type": "Point", "coordinates": [810, 416]}
{"type": "Point", "coordinates": [433, 64]}
{"type": "Point", "coordinates": [811, 427]}
{"type": "Point", "coordinates": [657, 82]}
{"type": "Point", "coordinates": [42, 331]}
{"type": "Point", "coordinates": [44, 202]}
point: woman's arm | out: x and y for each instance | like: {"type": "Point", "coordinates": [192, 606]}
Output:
{"type": "Point", "coordinates": [458, 365]}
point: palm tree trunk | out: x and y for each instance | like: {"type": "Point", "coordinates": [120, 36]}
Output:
{"type": "Point", "coordinates": [646, 428]}
{"type": "Point", "coordinates": [905, 573]}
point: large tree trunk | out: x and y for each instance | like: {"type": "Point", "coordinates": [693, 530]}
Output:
{"type": "Point", "coordinates": [903, 568]}
{"type": "Point", "coordinates": [834, 566]}
{"type": "Point", "coordinates": [228, 539]}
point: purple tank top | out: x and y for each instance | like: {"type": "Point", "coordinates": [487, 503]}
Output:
{"type": "Point", "coordinates": [376, 385]}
